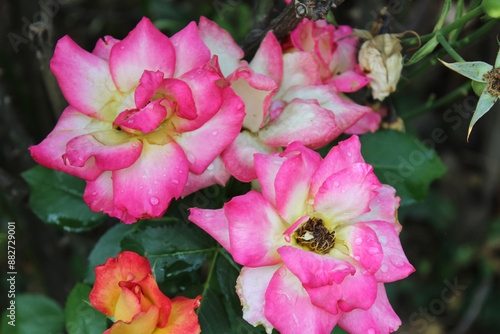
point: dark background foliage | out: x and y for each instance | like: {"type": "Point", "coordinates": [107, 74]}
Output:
{"type": "Point", "coordinates": [452, 237]}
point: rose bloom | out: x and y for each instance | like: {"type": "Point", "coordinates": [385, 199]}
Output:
{"type": "Point", "coordinates": [148, 117]}
{"type": "Point", "coordinates": [126, 289]}
{"type": "Point", "coordinates": [286, 96]}
{"type": "Point", "coordinates": [317, 243]}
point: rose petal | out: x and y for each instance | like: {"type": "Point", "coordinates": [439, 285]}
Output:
{"type": "Point", "coordinates": [149, 84]}
{"type": "Point", "coordinates": [216, 173]}
{"type": "Point", "coordinates": [192, 52]}
{"type": "Point", "coordinates": [299, 68]}
{"type": "Point", "coordinates": [267, 167]}
{"type": "Point", "coordinates": [145, 48]}
{"type": "Point", "coordinates": [364, 246]}
{"type": "Point", "coordinates": [144, 322]}
{"type": "Point", "coordinates": [268, 59]}
{"type": "Point", "coordinates": [255, 230]}
{"type": "Point", "coordinates": [289, 309]}
{"type": "Point", "coordinates": [214, 222]}
{"type": "Point", "coordinates": [103, 47]}
{"type": "Point", "coordinates": [370, 122]}
{"type": "Point", "coordinates": [183, 319]}
{"type": "Point", "coordinates": [144, 120]}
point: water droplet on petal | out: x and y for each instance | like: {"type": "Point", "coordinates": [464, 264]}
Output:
{"type": "Point", "coordinates": [349, 154]}
{"type": "Point", "coordinates": [384, 268]}
{"type": "Point", "coordinates": [214, 133]}
{"type": "Point", "coordinates": [370, 331]}
{"type": "Point", "coordinates": [174, 181]}
{"type": "Point", "coordinates": [397, 261]}
{"type": "Point", "coordinates": [336, 183]}
{"type": "Point", "coordinates": [277, 162]}
{"type": "Point", "coordinates": [357, 258]}
{"type": "Point", "coordinates": [287, 238]}
{"type": "Point", "coordinates": [358, 241]}
{"type": "Point", "coordinates": [94, 193]}
{"type": "Point", "coordinates": [209, 214]}
{"type": "Point", "coordinates": [373, 250]}
{"type": "Point", "coordinates": [180, 171]}
{"type": "Point", "coordinates": [122, 47]}
{"type": "Point", "coordinates": [210, 167]}
{"type": "Point", "coordinates": [383, 240]}
{"type": "Point", "coordinates": [154, 200]}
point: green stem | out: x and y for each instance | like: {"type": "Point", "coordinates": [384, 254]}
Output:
{"type": "Point", "coordinates": [445, 100]}
{"type": "Point", "coordinates": [423, 66]}
{"type": "Point", "coordinates": [445, 30]}
{"type": "Point", "coordinates": [460, 12]}
{"type": "Point", "coordinates": [210, 273]}
{"type": "Point", "coordinates": [448, 48]}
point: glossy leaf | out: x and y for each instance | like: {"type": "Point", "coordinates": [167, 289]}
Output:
{"type": "Point", "coordinates": [81, 316]}
{"type": "Point", "coordinates": [34, 314]}
{"type": "Point", "coordinates": [57, 198]}
{"type": "Point", "coordinates": [402, 161]}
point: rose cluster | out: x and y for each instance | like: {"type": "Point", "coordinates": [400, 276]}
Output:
{"type": "Point", "coordinates": [153, 118]}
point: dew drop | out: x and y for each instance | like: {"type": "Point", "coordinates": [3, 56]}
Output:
{"type": "Point", "coordinates": [214, 133]}
{"type": "Point", "coordinates": [370, 331]}
{"type": "Point", "coordinates": [287, 238]}
{"type": "Point", "coordinates": [357, 258]}
{"type": "Point", "coordinates": [336, 183]}
{"type": "Point", "coordinates": [154, 200]}
{"type": "Point", "coordinates": [397, 261]}
{"type": "Point", "coordinates": [373, 250]}
{"type": "Point", "coordinates": [180, 171]}
{"type": "Point", "coordinates": [144, 177]}
{"type": "Point", "coordinates": [349, 154]}
{"type": "Point", "coordinates": [94, 193]}
{"type": "Point", "coordinates": [383, 240]}
{"type": "Point", "coordinates": [358, 241]}
{"type": "Point", "coordinates": [384, 268]}
{"type": "Point", "coordinates": [210, 167]}
{"type": "Point", "coordinates": [122, 47]}
{"type": "Point", "coordinates": [174, 181]}
{"type": "Point", "coordinates": [277, 162]}
{"type": "Point", "coordinates": [131, 121]}
{"type": "Point", "coordinates": [209, 214]}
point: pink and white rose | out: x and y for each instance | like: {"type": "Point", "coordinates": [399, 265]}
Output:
{"type": "Point", "coordinates": [148, 116]}
{"type": "Point", "coordinates": [317, 243]}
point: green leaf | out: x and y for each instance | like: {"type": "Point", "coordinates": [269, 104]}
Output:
{"type": "Point", "coordinates": [486, 101]}
{"type": "Point", "coordinates": [176, 250]}
{"type": "Point", "coordinates": [423, 51]}
{"type": "Point", "coordinates": [212, 314]}
{"type": "Point", "coordinates": [474, 70]}
{"type": "Point", "coordinates": [33, 314]}
{"type": "Point", "coordinates": [402, 161]}
{"type": "Point", "coordinates": [57, 198]}
{"type": "Point", "coordinates": [81, 316]}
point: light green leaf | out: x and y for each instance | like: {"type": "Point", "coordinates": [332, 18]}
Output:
{"type": "Point", "coordinates": [486, 101]}
{"type": "Point", "coordinates": [57, 198]}
{"type": "Point", "coordinates": [34, 314]}
{"type": "Point", "coordinates": [474, 70]}
{"type": "Point", "coordinates": [81, 316]}
{"type": "Point", "coordinates": [423, 51]}
{"type": "Point", "coordinates": [402, 161]}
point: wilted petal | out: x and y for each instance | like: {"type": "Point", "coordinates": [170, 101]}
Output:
{"type": "Point", "coordinates": [289, 309]}
{"type": "Point", "coordinates": [379, 319]}
{"type": "Point", "coordinates": [145, 48]}
{"type": "Point", "coordinates": [255, 230]}
{"type": "Point", "coordinates": [251, 287]}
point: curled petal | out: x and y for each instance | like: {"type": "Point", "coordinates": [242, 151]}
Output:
{"type": "Point", "coordinates": [145, 48]}
{"type": "Point", "coordinates": [383, 207]}
{"type": "Point", "coordinates": [289, 309]}
{"type": "Point", "coordinates": [126, 266]}
{"type": "Point", "coordinates": [220, 131]}
{"type": "Point", "coordinates": [144, 120]}
{"type": "Point", "coordinates": [267, 167]}
{"type": "Point", "coordinates": [370, 122]}
{"type": "Point", "coordinates": [180, 92]}
{"type": "Point", "coordinates": [112, 157]}
{"type": "Point", "coordinates": [255, 230]}
{"type": "Point", "coordinates": [239, 156]}
{"type": "Point", "coordinates": [183, 319]}
{"type": "Point", "coordinates": [149, 84]}
{"type": "Point", "coordinates": [50, 151]}
{"type": "Point", "coordinates": [349, 81]}
{"type": "Point", "coordinates": [378, 319]}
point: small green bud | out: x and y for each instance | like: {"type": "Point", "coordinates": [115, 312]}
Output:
{"type": "Point", "coordinates": [492, 8]}
{"type": "Point", "coordinates": [478, 87]}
